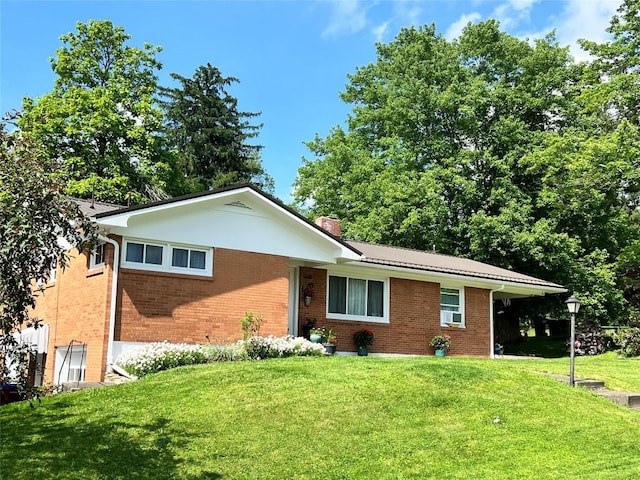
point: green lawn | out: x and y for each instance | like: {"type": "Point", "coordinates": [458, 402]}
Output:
{"type": "Point", "coordinates": [618, 373]}
{"type": "Point", "coordinates": [328, 418]}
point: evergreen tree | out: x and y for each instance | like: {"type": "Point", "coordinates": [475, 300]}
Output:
{"type": "Point", "coordinates": [210, 135]}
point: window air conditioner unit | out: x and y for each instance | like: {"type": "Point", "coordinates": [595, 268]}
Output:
{"type": "Point", "coordinates": [450, 317]}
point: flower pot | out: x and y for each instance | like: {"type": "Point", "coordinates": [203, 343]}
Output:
{"type": "Point", "coordinates": [315, 338]}
{"type": "Point", "coordinates": [440, 353]}
{"type": "Point", "coordinates": [329, 348]}
{"type": "Point", "coordinates": [307, 301]}
{"type": "Point", "coordinates": [362, 351]}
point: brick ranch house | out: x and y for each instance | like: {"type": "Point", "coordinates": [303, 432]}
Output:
{"type": "Point", "coordinates": [189, 268]}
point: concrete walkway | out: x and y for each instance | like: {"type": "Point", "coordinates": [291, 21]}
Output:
{"type": "Point", "coordinates": [109, 379]}
{"type": "Point", "coordinates": [625, 399]}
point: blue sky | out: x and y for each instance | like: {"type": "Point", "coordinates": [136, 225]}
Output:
{"type": "Point", "coordinates": [292, 57]}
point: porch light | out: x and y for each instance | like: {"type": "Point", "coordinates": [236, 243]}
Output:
{"type": "Point", "coordinates": [573, 305]}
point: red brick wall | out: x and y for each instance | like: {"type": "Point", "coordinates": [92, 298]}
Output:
{"type": "Point", "coordinates": [414, 318]}
{"type": "Point", "coordinates": [184, 308]}
{"type": "Point", "coordinates": [75, 306]}
{"type": "Point", "coordinates": [160, 306]}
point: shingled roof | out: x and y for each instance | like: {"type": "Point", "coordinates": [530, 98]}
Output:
{"type": "Point", "coordinates": [90, 208]}
{"type": "Point", "coordinates": [371, 253]}
{"type": "Point", "coordinates": [435, 262]}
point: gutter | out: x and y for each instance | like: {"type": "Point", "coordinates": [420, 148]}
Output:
{"type": "Point", "coordinates": [114, 297]}
{"type": "Point", "coordinates": [491, 332]}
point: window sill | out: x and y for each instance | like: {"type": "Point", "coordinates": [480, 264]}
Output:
{"type": "Point", "coordinates": [95, 271]}
{"type": "Point", "coordinates": [347, 318]}
{"type": "Point", "coordinates": [453, 325]}
{"type": "Point", "coordinates": [162, 273]}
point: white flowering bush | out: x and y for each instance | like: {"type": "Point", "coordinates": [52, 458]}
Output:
{"type": "Point", "coordinates": [160, 356]}
{"type": "Point", "coordinates": [155, 357]}
{"type": "Point", "coordinates": [274, 347]}
{"type": "Point", "coordinates": [226, 353]}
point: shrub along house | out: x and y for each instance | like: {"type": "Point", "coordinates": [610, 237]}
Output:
{"type": "Point", "coordinates": [187, 269]}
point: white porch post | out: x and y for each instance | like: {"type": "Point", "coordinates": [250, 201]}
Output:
{"type": "Point", "coordinates": [293, 300]}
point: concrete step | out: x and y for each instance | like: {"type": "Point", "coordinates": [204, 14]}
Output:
{"type": "Point", "coordinates": [625, 399]}
{"type": "Point", "coordinates": [589, 383]}
{"type": "Point", "coordinates": [115, 379]}
{"type": "Point", "coordinates": [109, 379]}
{"type": "Point", "coordinates": [75, 386]}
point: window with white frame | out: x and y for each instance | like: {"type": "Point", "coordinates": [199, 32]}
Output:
{"type": "Point", "coordinates": [451, 306]}
{"type": "Point", "coordinates": [70, 364]}
{"type": "Point", "coordinates": [168, 257]}
{"type": "Point", "coordinates": [188, 258]}
{"type": "Point", "coordinates": [359, 299]}
{"type": "Point", "coordinates": [97, 256]}
{"type": "Point", "coordinates": [53, 273]}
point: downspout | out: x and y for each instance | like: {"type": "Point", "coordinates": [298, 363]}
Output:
{"type": "Point", "coordinates": [491, 332]}
{"type": "Point", "coordinates": [114, 297]}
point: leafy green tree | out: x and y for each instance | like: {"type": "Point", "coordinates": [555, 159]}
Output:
{"type": "Point", "coordinates": [615, 90]}
{"type": "Point", "coordinates": [33, 217]}
{"type": "Point", "coordinates": [210, 135]}
{"type": "Point", "coordinates": [101, 120]}
{"type": "Point", "coordinates": [477, 147]}
{"type": "Point", "coordinates": [442, 125]}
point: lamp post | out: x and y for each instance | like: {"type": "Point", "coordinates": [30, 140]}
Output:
{"type": "Point", "coordinates": [573, 304]}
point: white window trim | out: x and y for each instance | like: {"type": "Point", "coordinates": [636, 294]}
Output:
{"type": "Point", "coordinates": [92, 257]}
{"type": "Point", "coordinates": [166, 258]}
{"type": "Point", "coordinates": [53, 274]}
{"type": "Point", "coordinates": [188, 270]}
{"type": "Point", "coordinates": [462, 322]}
{"type": "Point", "coordinates": [360, 318]}
{"type": "Point", "coordinates": [81, 369]}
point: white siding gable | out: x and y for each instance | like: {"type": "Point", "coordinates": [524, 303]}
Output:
{"type": "Point", "coordinates": [237, 220]}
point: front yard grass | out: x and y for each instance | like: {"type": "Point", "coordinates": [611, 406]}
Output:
{"type": "Point", "coordinates": [619, 373]}
{"type": "Point", "coordinates": [329, 418]}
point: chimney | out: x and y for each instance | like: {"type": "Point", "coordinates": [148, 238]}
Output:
{"type": "Point", "coordinates": [331, 225]}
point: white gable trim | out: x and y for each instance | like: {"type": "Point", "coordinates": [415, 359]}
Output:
{"type": "Point", "coordinates": [256, 205]}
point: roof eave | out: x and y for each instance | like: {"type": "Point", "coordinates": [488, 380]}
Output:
{"type": "Point", "coordinates": [533, 288]}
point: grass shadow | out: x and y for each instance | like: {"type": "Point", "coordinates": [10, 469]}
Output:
{"type": "Point", "coordinates": [62, 444]}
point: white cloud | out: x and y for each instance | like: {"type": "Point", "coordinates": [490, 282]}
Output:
{"type": "Point", "coordinates": [588, 20]}
{"type": "Point", "coordinates": [520, 5]}
{"type": "Point", "coordinates": [455, 29]}
{"type": "Point", "coordinates": [407, 12]}
{"type": "Point", "coordinates": [380, 31]}
{"type": "Point", "coordinates": [513, 12]}
{"type": "Point", "coordinates": [347, 17]}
